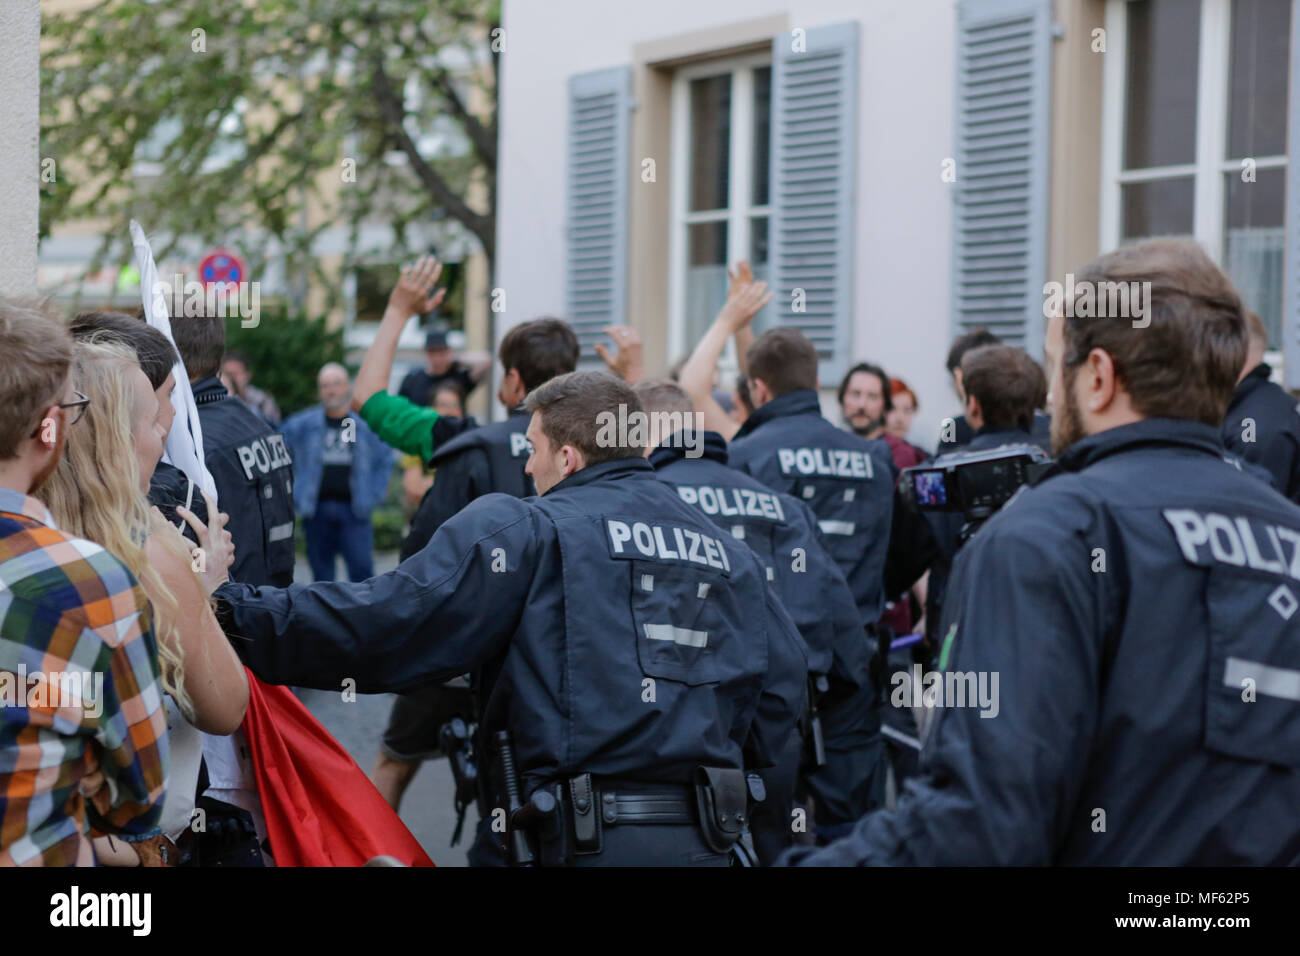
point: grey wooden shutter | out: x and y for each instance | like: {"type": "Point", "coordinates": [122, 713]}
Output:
{"type": "Point", "coordinates": [814, 135]}
{"type": "Point", "coordinates": [1002, 111]}
{"type": "Point", "coordinates": [1291, 266]}
{"type": "Point", "coordinates": [596, 203]}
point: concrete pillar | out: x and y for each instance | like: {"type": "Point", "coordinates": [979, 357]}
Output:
{"type": "Point", "coordinates": [20, 91]}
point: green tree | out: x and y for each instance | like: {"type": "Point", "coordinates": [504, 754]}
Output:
{"type": "Point", "coordinates": [256, 111]}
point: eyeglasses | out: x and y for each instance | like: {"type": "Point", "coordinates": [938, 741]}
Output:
{"type": "Point", "coordinates": [79, 407]}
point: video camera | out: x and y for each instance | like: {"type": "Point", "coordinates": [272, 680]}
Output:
{"type": "Point", "coordinates": [974, 484]}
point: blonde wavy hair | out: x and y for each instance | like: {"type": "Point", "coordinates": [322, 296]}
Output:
{"type": "Point", "coordinates": [95, 494]}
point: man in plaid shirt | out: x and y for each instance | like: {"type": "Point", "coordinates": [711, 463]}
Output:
{"type": "Point", "coordinates": [79, 673]}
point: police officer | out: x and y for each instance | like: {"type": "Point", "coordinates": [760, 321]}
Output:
{"type": "Point", "coordinates": [1263, 421]}
{"type": "Point", "coordinates": [1137, 610]}
{"type": "Point", "coordinates": [468, 465]}
{"type": "Point", "coordinates": [783, 532]}
{"type": "Point", "coordinates": [957, 433]}
{"type": "Point", "coordinates": [634, 656]}
{"type": "Point", "coordinates": [1002, 387]}
{"type": "Point", "coordinates": [848, 482]}
{"type": "Point", "coordinates": [247, 459]}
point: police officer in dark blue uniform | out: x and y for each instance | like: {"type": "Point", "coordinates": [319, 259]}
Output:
{"type": "Point", "coordinates": [1002, 386]}
{"type": "Point", "coordinates": [634, 656]}
{"type": "Point", "coordinates": [1263, 422]}
{"type": "Point", "coordinates": [247, 459]}
{"type": "Point", "coordinates": [783, 532]}
{"type": "Point", "coordinates": [957, 433]}
{"type": "Point", "coordinates": [477, 462]}
{"type": "Point", "coordinates": [848, 482]}
{"type": "Point", "coordinates": [1133, 614]}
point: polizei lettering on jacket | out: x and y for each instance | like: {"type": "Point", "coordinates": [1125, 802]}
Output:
{"type": "Point", "coordinates": [732, 502]}
{"type": "Point", "coordinates": [263, 455]}
{"type": "Point", "coordinates": [665, 542]}
{"type": "Point", "coordinates": [1208, 537]}
{"type": "Point", "coordinates": [835, 462]}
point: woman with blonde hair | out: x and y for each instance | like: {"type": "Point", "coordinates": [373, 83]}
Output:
{"type": "Point", "coordinates": [98, 492]}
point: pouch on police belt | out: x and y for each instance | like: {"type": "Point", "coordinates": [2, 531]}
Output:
{"type": "Point", "coordinates": [722, 795]}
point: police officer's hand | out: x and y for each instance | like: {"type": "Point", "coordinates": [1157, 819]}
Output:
{"type": "Point", "coordinates": [215, 552]}
{"type": "Point", "coordinates": [628, 364]}
{"type": "Point", "coordinates": [414, 293]}
{"type": "Point", "coordinates": [743, 305]}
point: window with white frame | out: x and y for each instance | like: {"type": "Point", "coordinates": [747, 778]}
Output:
{"type": "Point", "coordinates": [1194, 134]}
{"type": "Point", "coordinates": [721, 123]}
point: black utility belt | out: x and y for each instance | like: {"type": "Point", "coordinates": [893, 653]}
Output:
{"type": "Point", "coordinates": [717, 802]}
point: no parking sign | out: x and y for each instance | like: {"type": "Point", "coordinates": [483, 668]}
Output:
{"type": "Point", "coordinates": [222, 267]}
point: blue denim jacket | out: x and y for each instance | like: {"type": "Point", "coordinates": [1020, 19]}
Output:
{"type": "Point", "coordinates": [372, 463]}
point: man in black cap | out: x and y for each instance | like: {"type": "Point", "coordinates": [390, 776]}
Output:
{"type": "Point", "coordinates": [420, 385]}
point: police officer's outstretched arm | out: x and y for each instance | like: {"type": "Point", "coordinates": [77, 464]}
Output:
{"type": "Point", "coordinates": [1023, 630]}
{"type": "Point", "coordinates": [442, 612]}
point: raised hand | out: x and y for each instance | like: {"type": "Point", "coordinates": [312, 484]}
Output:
{"type": "Point", "coordinates": [629, 363]}
{"type": "Point", "coordinates": [743, 276]}
{"type": "Point", "coordinates": [215, 542]}
{"type": "Point", "coordinates": [415, 292]}
{"type": "Point", "coordinates": [745, 303]}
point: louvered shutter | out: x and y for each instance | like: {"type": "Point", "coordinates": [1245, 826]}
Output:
{"type": "Point", "coordinates": [596, 203]}
{"type": "Point", "coordinates": [1002, 140]}
{"type": "Point", "coordinates": [1291, 267]}
{"type": "Point", "coordinates": [814, 135]}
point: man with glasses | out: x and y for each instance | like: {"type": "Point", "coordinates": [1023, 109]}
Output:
{"type": "Point", "coordinates": [82, 725]}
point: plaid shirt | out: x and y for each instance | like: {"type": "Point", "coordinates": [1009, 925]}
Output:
{"type": "Point", "coordinates": [73, 620]}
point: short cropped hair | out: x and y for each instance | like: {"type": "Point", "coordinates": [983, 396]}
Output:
{"type": "Point", "coordinates": [664, 395]}
{"type": "Point", "coordinates": [575, 407]}
{"type": "Point", "coordinates": [201, 340]}
{"type": "Point", "coordinates": [37, 354]}
{"type": "Point", "coordinates": [784, 359]}
{"type": "Point", "coordinates": [1008, 384]}
{"type": "Point", "coordinates": [156, 355]}
{"type": "Point", "coordinates": [975, 338]}
{"type": "Point", "coordinates": [1184, 359]}
{"type": "Point", "coordinates": [539, 350]}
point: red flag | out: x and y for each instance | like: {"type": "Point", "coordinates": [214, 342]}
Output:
{"type": "Point", "coordinates": [320, 807]}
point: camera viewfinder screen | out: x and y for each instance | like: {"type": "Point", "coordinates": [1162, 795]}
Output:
{"type": "Point", "coordinates": [930, 488]}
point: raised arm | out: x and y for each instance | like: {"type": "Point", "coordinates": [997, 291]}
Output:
{"type": "Point", "coordinates": [414, 294]}
{"type": "Point", "coordinates": [697, 374]}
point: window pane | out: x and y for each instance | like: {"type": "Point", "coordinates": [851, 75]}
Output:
{"type": "Point", "coordinates": [1257, 94]}
{"type": "Point", "coordinates": [710, 141]}
{"type": "Point", "coordinates": [1160, 113]}
{"type": "Point", "coordinates": [762, 269]}
{"type": "Point", "coordinates": [762, 133]}
{"type": "Point", "coordinates": [706, 276]}
{"type": "Point", "coordinates": [1159, 208]}
{"type": "Point", "coordinates": [1254, 241]}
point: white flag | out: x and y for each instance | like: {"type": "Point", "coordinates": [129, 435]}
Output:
{"type": "Point", "coordinates": [184, 447]}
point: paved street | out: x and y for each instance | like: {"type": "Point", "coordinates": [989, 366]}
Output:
{"type": "Point", "coordinates": [358, 726]}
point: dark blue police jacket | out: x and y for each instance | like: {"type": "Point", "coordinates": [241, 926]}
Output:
{"type": "Point", "coordinates": [475, 463]}
{"type": "Point", "coordinates": [783, 532]}
{"type": "Point", "coordinates": [1139, 608]}
{"type": "Point", "coordinates": [1263, 427]}
{"type": "Point", "coordinates": [623, 635]}
{"type": "Point", "coordinates": [253, 471]}
{"type": "Point", "coordinates": [847, 480]}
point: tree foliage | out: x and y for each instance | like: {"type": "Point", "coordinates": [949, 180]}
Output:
{"type": "Point", "coordinates": [252, 109]}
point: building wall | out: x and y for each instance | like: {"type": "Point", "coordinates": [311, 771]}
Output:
{"type": "Point", "coordinates": [20, 85]}
{"type": "Point", "coordinates": [905, 131]}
